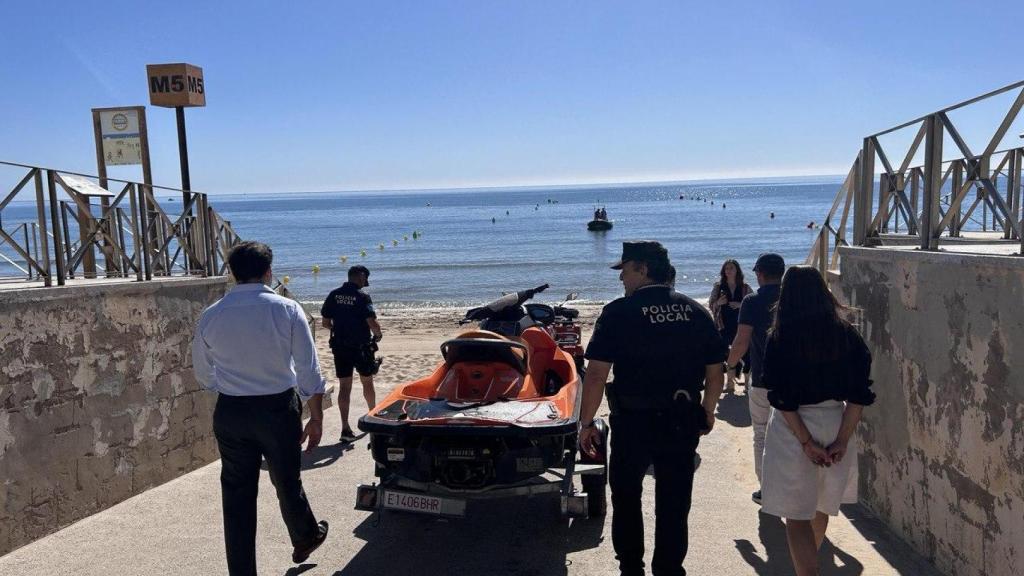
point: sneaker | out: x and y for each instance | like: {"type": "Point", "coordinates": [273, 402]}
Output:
{"type": "Point", "coordinates": [756, 497]}
{"type": "Point", "coordinates": [347, 436]}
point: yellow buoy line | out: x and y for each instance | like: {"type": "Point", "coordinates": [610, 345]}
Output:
{"type": "Point", "coordinates": [416, 235]}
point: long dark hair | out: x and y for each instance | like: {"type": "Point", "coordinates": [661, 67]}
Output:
{"type": "Point", "coordinates": [807, 322]}
{"type": "Point", "coordinates": [723, 283]}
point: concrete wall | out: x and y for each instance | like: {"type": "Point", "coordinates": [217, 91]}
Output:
{"type": "Point", "coordinates": [942, 449]}
{"type": "Point", "coordinates": [97, 398]}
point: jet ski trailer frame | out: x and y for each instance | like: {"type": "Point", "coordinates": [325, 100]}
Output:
{"type": "Point", "coordinates": [402, 494]}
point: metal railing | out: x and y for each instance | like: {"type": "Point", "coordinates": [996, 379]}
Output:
{"type": "Point", "coordinates": [928, 216]}
{"type": "Point", "coordinates": [72, 228]}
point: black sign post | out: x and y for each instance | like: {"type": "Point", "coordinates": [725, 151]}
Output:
{"type": "Point", "coordinates": [186, 181]}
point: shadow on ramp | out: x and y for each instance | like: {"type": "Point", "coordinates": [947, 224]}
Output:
{"type": "Point", "coordinates": [325, 455]}
{"type": "Point", "coordinates": [899, 554]}
{"type": "Point", "coordinates": [498, 537]}
{"type": "Point", "coordinates": [773, 557]}
{"type": "Point", "coordinates": [735, 410]}
{"type": "Point", "coordinates": [320, 456]}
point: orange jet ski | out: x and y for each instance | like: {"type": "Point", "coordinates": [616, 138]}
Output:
{"type": "Point", "coordinates": [498, 417]}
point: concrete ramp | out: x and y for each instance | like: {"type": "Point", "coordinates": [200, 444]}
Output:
{"type": "Point", "coordinates": [176, 528]}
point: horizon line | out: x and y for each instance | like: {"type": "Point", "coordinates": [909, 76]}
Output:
{"type": "Point", "coordinates": [517, 187]}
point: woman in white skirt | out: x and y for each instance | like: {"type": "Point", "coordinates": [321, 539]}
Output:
{"type": "Point", "coordinates": [816, 370]}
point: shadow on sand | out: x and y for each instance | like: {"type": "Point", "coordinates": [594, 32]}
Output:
{"type": "Point", "coordinates": [498, 537]}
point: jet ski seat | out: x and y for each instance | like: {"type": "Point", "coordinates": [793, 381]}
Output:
{"type": "Point", "coordinates": [485, 346]}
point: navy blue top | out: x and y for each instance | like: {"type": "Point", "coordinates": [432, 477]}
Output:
{"type": "Point", "coordinates": [758, 311]}
{"type": "Point", "coordinates": [793, 381]}
{"type": "Point", "coordinates": [659, 340]}
{"type": "Point", "coordinates": [348, 308]}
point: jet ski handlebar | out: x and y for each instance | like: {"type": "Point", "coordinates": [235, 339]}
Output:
{"type": "Point", "coordinates": [502, 305]}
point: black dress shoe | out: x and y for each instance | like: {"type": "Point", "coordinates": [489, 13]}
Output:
{"type": "Point", "coordinates": [303, 551]}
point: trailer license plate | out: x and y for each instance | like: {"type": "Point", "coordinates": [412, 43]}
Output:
{"type": "Point", "coordinates": [413, 502]}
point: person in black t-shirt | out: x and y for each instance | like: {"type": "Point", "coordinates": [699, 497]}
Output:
{"type": "Point", "coordinates": [348, 313]}
{"type": "Point", "coordinates": [756, 315]}
{"type": "Point", "coordinates": [665, 350]}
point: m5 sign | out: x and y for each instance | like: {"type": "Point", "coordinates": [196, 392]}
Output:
{"type": "Point", "coordinates": [174, 85]}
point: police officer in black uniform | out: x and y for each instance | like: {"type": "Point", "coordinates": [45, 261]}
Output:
{"type": "Point", "coordinates": [665, 350]}
{"type": "Point", "coordinates": [348, 313]}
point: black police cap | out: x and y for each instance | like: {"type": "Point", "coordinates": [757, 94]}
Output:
{"type": "Point", "coordinates": [359, 269]}
{"type": "Point", "coordinates": [641, 251]}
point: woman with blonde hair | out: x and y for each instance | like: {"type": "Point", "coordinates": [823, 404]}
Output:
{"type": "Point", "coordinates": [817, 372]}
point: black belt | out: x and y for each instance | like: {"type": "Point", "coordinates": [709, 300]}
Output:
{"type": "Point", "coordinates": [628, 403]}
{"type": "Point", "coordinates": [258, 399]}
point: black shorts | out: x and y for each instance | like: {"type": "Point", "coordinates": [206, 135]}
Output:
{"type": "Point", "coordinates": [347, 359]}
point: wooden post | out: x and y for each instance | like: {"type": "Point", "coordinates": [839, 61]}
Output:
{"type": "Point", "coordinates": [955, 222]}
{"type": "Point", "coordinates": [85, 235]}
{"type": "Point", "coordinates": [44, 241]}
{"type": "Point", "coordinates": [884, 183]}
{"type": "Point", "coordinates": [139, 241]}
{"type": "Point", "coordinates": [1018, 209]}
{"type": "Point", "coordinates": [67, 243]}
{"type": "Point", "coordinates": [867, 189]}
{"type": "Point", "coordinates": [915, 192]}
{"type": "Point", "coordinates": [101, 170]}
{"type": "Point", "coordinates": [58, 238]}
{"type": "Point", "coordinates": [932, 182]}
{"type": "Point", "coordinates": [144, 210]}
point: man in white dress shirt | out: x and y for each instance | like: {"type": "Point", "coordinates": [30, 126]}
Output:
{"type": "Point", "coordinates": [256, 350]}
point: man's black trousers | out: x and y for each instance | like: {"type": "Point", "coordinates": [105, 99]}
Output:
{"type": "Point", "coordinates": [669, 442]}
{"type": "Point", "coordinates": [249, 429]}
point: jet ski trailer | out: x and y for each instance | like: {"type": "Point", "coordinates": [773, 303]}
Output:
{"type": "Point", "coordinates": [498, 418]}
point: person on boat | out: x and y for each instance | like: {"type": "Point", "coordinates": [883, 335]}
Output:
{"type": "Point", "coordinates": [817, 371]}
{"type": "Point", "coordinates": [348, 313]}
{"type": "Point", "coordinates": [665, 350]}
{"type": "Point", "coordinates": [255, 349]}
{"type": "Point", "coordinates": [757, 312]}
{"type": "Point", "coordinates": [726, 296]}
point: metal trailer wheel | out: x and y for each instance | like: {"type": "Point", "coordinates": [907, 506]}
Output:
{"type": "Point", "coordinates": [596, 485]}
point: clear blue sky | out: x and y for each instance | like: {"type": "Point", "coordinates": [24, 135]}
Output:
{"type": "Point", "coordinates": [344, 95]}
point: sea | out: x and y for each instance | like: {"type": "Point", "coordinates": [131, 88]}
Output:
{"type": "Point", "coordinates": [461, 248]}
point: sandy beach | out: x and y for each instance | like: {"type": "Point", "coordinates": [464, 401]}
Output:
{"type": "Point", "coordinates": [412, 341]}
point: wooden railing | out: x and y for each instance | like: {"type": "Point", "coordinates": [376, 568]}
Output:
{"type": "Point", "coordinates": [70, 227]}
{"type": "Point", "coordinates": [926, 214]}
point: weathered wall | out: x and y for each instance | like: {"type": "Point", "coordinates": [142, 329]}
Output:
{"type": "Point", "coordinates": [97, 398]}
{"type": "Point", "coordinates": [942, 453]}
